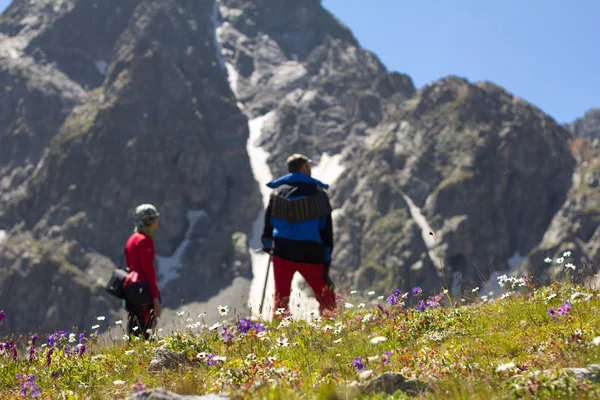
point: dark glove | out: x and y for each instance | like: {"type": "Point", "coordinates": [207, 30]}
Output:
{"type": "Point", "coordinates": [267, 245]}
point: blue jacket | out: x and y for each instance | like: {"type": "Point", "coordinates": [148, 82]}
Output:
{"type": "Point", "coordinates": [298, 225]}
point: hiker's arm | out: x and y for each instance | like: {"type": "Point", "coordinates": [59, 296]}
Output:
{"type": "Point", "coordinates": [147, 263]}
{"type": "Point", "coordinates": [267, 236]}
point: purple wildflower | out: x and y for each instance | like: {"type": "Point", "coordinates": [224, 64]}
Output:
{"type": "Point", "coordinates": [210, 360]}
{"type": "Point", "coordinates": [34, 338]}
{"type": "Point", "coordinates": [11, 346]}
{"type": "Point", "coordinates": [80, 349]}
{"type": "Point", "coordinates": [49, 356]}
{"type": "Point", "coordinates": [28, 386]}
{"type": "Point", "coordinates": [397, 293]}
{"type": "Point", "coordinates": [68, 350]}
{"type": "Point", "coordinates": [245, 325]}
{"type": "Point", "coordinates": [382, 310]}
{"type": "Point", "coordinates": [81, 338]}
{"type": "Point", "coordinates": [227, 335]}
{"type": "Point", "coordinates": [359, 363]}
{"type": "Point", "coordinates": [552, 313]}
{"type": "Point", "coordinates": [417, 291]}
{"type": "Point", "coordinates": [139, 386]}
{"type": "Point", "coordinates": [421, 306]}
{"type": "Point", "coordinates": [392, 300]}
{"type": "Point", "coordinates": [432, 304]}
{"type": "Point", "coordinates": [2, 316]}
{"type": "Point", "coordinates": [55, 375]}
{"type": "Point", "coordinates": [259, 328]}
{"type": "Point", "coordinates": [32, 356]}
{"type": "Point", "coordinates": [51, 341]}
{"type": "Point", "coordinates": [385, 358]}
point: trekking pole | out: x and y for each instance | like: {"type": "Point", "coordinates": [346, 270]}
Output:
{"type": "Point", "coordinates": [264, 293]}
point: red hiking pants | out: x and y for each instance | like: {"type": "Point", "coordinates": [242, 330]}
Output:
{"type": "Point", "coordinates": [284, 271]}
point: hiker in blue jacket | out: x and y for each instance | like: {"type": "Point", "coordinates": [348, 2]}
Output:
{"type": "Point", "coordinates": [298, 233]}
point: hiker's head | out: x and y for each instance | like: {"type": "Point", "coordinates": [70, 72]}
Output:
{"type": "Point", "coordinates": [146, 216]}
{"type": "Point", "coordinates": [299, 163]}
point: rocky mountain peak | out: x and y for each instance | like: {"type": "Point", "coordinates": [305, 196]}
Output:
{"type": "Point", "coordinates": [588, 126]}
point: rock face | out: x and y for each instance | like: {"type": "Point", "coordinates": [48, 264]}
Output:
{"type": "Point", "coordinates": [487, 171]}
{"type": "Point", "coordinates": [159, 124]}
{"type": "Point", "coordinates": [588, 126]}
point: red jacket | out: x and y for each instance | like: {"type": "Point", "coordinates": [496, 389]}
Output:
{"type": "Point", "coordinates": [139, 254]}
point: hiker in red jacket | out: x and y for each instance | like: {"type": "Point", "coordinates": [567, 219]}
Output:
{"type": "Point", "coordinates": [139, 254]}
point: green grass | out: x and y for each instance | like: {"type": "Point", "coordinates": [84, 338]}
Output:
{"type": "Point", "coordinates": [455, 352]}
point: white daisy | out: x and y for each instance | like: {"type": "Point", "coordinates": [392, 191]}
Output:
{"type": "Point", "coordinates": [505, 367]}
{"type": "Point", "coordinates": [567, 254]}
{"type": "Point", "coordinates": [548, 260]}
{"type": "Point", "coordinates": [95, 327]}
{"type": "Point", "coordinates": [223, 310]}
{"type": "Point", "coordinates": [353, 292]}
{"type": "Point", "coordinates": [378, 339]}
{"type": "Point", "coordinates": [100, 318]}
{"type": "Point", "coordinates": [371, 293]}
{"type": "Point", "coordinates": [119, 382]}
{"type": "Point", "coordinates": [570, 266]}
{"type": "Point", "coordinates": [180, 313]}
{"type": "Point", "coordinates": [119, 322]}
{"type": "Point", "coordinates": [348, 305]}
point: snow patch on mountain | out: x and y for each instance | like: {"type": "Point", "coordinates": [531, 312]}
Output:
{"type": "Point", "coordinates": [329, 168]}
{"type": "Point", "coordinates": [426, 232]}
{"type": "Point", "coordinates": [169, 266]}
{"type": "Point", "coordinates": [2, 235]}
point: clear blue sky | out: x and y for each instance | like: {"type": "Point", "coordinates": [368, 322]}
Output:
{"type": "Point", "coordinates": [543, 51]}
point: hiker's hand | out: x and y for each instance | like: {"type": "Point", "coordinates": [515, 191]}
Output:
{"type": "Point", "coordinates": [267, 245]}
{"type": "Point", "coordinates": [157, 308]}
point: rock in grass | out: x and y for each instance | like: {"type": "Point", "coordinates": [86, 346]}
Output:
{"type": "Point", "coordinates": [167, 359]}
{"type": "Point", "coordinates": [161, 394]}
{"type": "Point", "coordinates": [392, 382]}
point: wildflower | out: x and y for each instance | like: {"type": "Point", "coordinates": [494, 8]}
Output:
{"type": "Point", "coordinates": [475, 290]}
{"type": "Point", "coordinates": [564, 308]}
{"type": "Point", "coordinates": [139, 386]}
{"type": "Point", "coordinates": [362, 305]}
{"type": "Point", "coordinates": [552, 313]}
{"type": "Point", "coordinates": [126, 338]}
{"type": "Point", "coordinates": [353, 292]}
{"type": "Point", "coordinates": [378, 339]}
{"type": "Point", "coordinates": [337, 341]}
{"type": "Point", "coordinates": [382, 310]}
{"type": "Point", "coordinates": [95, 327]}
{"type": "Point", "coordinates": [223, 310]}
{"type": "Point", "coordinates": [397, 293]}
{"type": "Point", "coordinates": [372, 358]}
{"type": "Point", "coordinates": [282, 342]}
{"type": "Point", "coordinates": [2, 315]}
{"type": "Point", "coordinates": [371, 293]}
{"type": "Point", "coordinates": [432, 304]}
{"type": "Point", "coordinates": [567, 254]}
{"type": "Point", "coordinates": [385, 358]}
{"type": "Point", "coordinates": [129, 352]}
{"type": "Point", "coordinates": [548, 260]}
{"type": "Point", "coordinates": [245, 325]}
{"type": "Point", "coordinates": [348, 305]}
{"type": "Point", "coordinates": [72, 338]}
{"type": "Point", "coordinates": [119, 322]}
{"type": "Point", "coordinates": [392, 300]}
{"type": "Point", "coordinates": [359, 363]}
{"type": "Point", "coordinates": [32, 356]}
{"type": "Point", "coordinates": [445, 291]}
{"type": "Point", "coordinates": [214, 326]}
{"type": "Point", "coordinates": [596, 341]}
{"type": "Point", "coordinates": [81, 337]}
{"type": "Point", "coordinates": [117, 383]}
{"type": "Point", "coordinates": [380, 298]}
{"type": "Point", "coordinates": [505, 367]}
{"type": "Point", "coordinates": [367, 318]}
{"type": "Point", "coordinates": [560, 260]}
{"type": "Point", "coordinates": [280, 311]}
{"type": "Point", "coordinates": [421, 306]}
{"type": "Point", "coordinates": [365, 374]}
{"type": "Point", "coordinates": [571, 266]}
{"type": "Point", "coordinates": [100, 318]}
{"type": "Point", "coordinates": [80, 348]}
{"type": "Point", "coordinates": [180, 313]}
{"type": "Point", "coordinates": [258, 327]}
{"type": "Point", "coordinates": [210, 360]}
{"type": "Point", "coordinates": [227, 335]}
{"type": "Point", "coordinates": [219, 358]}
{"type": "Point", "coordinates": [505, 295]}
{"type": "Point", "coordinates": [484, 298]}
{"type": "Point", "coordinates": [49, 356]}
{"type": "Point", "coordinates": [67, 350]}
{"type": "Point", "coordinates": [51, 341]}
{"type": "Point", "coordinates": [28, 386]}
{"type": "Point", "coordinates": [417, 291]}
{"type": "Point", "coordinates": [54, 375]}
